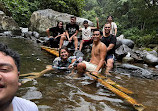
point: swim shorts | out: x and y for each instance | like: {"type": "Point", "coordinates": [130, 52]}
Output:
{"type": "Point", "coordinates": [90, 67]}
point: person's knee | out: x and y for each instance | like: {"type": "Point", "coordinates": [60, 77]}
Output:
{"type": "Point", "coordinates": [81, 66]}
{"type": "Point", "coordinates": [75, 38]}
{"type": "Point", "coordinates": [110, 62]}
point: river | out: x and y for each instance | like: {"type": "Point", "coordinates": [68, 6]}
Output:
{"type": "Point", "coordinates": [57, 92]}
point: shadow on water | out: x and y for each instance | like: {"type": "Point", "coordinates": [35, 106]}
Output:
{"type": "Point", "coordinates": [56, 92]}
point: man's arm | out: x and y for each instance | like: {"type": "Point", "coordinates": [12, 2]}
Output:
{"type": "Point", "coordinates": [48, 33]}
{"type": "Point", "coordinates": [103, 52]}
{"type": "Point", "coordinates": [115, 31]}
{"type": "Point", "coordinates": [97, 24]}
{"type": "Point", "coordinates": [110, 47]}
{"type": "Point", "coordinates": [75, 34]}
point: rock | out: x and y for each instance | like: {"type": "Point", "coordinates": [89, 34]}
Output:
{"type": "Point", "coordinates": [128, 42]}
{"type": "Point", "coordinates": [151, 59]}
{"type": "Point", "coordinates": [135, 71]}
{"type": "Point", "coordinates": [153, 52]}
{"type": "Point", "coordinates": [9, 24]}
{"type": "Point", "coordinates": [42, 19]}
{"type": "Point", "coordinates": [28, 35]}
{"type": "Point", "coordinates": [8, 33]}
{"type": "Point", "coordinates": [123, 50]}
{"type": "Point", "coordinates": [36, 34]}
{"type": "Point", "coordinates": [127, 60]}
{"type": "Point", "coordinates": [156, 66]}
{"type": "Point", "coordinates": [120, 37]}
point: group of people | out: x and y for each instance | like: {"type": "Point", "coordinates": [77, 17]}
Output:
{"type": "Point", "coordinates": [102, 53]}
{"type": "Point", "coordinates": [103, 48]}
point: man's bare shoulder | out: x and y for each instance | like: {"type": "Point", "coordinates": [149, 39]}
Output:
{"type": "Point", "coordinates": [102, 45]}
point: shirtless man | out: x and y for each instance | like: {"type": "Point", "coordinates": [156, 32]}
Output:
{"type": "Point", "coordinates": [98, 54]}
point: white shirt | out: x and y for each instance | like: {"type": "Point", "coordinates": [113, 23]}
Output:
{"type": "Point", "coordinates": [86, 33]}
{"type": "Point", "coordinates": [113, 27]}
{"type": "Point", "coordinates": [20, 104]}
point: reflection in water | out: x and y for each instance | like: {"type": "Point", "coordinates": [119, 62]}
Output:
{"type": "Point", "coordinates": [55, 92]}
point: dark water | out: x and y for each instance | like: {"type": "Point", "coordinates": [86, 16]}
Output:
{"type": "Point", "coordinates": [56, 92]}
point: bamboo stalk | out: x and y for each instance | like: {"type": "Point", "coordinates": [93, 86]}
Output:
{"type": "Point", "coordinates": [108, 80]}
{"type": "Point", "coordinates": [129, 99]}
{"type": "Point", "coordinates": [51, 50]}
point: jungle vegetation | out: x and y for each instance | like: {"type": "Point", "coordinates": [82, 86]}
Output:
{"type": "Point", "coordinates": [136, 19]}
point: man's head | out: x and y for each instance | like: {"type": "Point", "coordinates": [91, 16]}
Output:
{"type": "Point", "coordinates": [96, 35]}
{"type": "Point", "coordinates": [109, 18]}
{"type": "Point", "coordinates": [85, 23]}
{"type": "Point", "coordinates": [73, 19]}
{"type": "Point", "coordinates": [107, 28]}
{"type": "Point", "coordinates": [9, 74]}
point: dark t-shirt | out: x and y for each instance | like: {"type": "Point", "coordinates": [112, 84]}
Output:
{"type": "Point", "coordinates": [71, 28]}
{"type": "Point", "coordinates": [56, 31]}
{"type": "Point", "coordinates": [109, 40]}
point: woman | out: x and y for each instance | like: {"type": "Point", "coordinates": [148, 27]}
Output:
{"type": "Point", "coordinates": [64, 61]}
{"type": "Point", "coordinates": [56, 34]}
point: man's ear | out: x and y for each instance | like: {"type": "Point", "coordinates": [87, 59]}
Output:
{"type": "Point", "coordinates": [19, 84]}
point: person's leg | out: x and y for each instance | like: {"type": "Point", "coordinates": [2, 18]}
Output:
{"type": "Point", "coordinates": [75, 42]}
{"type": "Point", "coordinates": [109, 64]}
{"type": "Point", "coordinates": [62, 40]}
{"type": "Point", "coordinates": [51, 40]}
{"type": "Point", "coordinates": [81, 45]}
{"type": "Point", "coordinates": [81, 67]}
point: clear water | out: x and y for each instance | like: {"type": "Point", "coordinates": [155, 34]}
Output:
{"type": "Point", "coordinates": [56, 92]}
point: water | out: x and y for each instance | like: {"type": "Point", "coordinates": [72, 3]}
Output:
{"type": "Point", "coordinates": [56, 92]}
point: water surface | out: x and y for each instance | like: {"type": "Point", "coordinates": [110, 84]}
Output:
{"type": "Point", "coordinates": [56, 92]}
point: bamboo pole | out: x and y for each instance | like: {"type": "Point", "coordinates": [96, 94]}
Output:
{"type": "Point", "coordinates": [129, 99]}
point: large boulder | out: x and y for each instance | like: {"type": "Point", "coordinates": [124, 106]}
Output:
{"type": "Point", "coordinates": [123, 50]}
{"type": "Point", "coordinates": [8, 24]}
{"type": "Point", "coordinates": [151, 59]}
{"type": "Point", "coordinates": [126, 42]}
{"type": "Point", "coordinates": [42, 19]}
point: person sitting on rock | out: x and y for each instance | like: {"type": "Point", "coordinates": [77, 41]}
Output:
{"type": "Point", "coordinates": [87, 33]}
{"type": "Point", "coordinates": [71, 33]}
{"type": "Point", "coordinates": [56, 34]}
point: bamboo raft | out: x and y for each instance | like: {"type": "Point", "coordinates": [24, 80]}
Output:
{"type": "Point", "coordinates": [106, 82]}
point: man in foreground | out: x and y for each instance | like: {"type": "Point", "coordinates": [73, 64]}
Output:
{"type": "Point", "coordinates": [9, 76]}
{"type": "Point", "coordinates": [71, 33]}
{"type": "Point", "coordinates": [110, 41]}
{"type": "Point", "coordinates": [98, 54]}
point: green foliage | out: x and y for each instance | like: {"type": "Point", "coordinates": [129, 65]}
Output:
{"type": "Point", "coordinates": [73, 7]}
{"type": "Point", "coordinates": [19, 9]}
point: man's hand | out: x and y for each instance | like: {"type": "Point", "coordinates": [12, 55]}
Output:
{"type": "Point", "coordinates": [95, 72]}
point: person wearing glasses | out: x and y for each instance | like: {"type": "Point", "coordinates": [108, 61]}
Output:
{"type": "Point", "coordinates": [113, 29]}
{"type": "Point", "coordinates": [110, 41]}
{"type": "Point", "coordinates": [98, 54]}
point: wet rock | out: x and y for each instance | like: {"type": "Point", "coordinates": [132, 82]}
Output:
{"type": "Point", "coordinates": [156, 66]}
{"type": "Point", "coordinates": [36, 34]}
{"type": "Point", "coordinates": [128, 42]}
{"type": "Point", "coordinates": [8, 33]}
{"type": "Point", "coordinates": [127, 60]}
{"type": "Point", "coordinates": [123, 50]}
{"type": "Point", "coordinates": [28, 34]}
{"type": "Point", "coordinates": [151, 59]}
{"type": "Point", "coordinates": [9, 24]}
{"type": "Point", "coordinates": [133, 70]}
{"type": "Point", "coordinates": [42, 19]}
